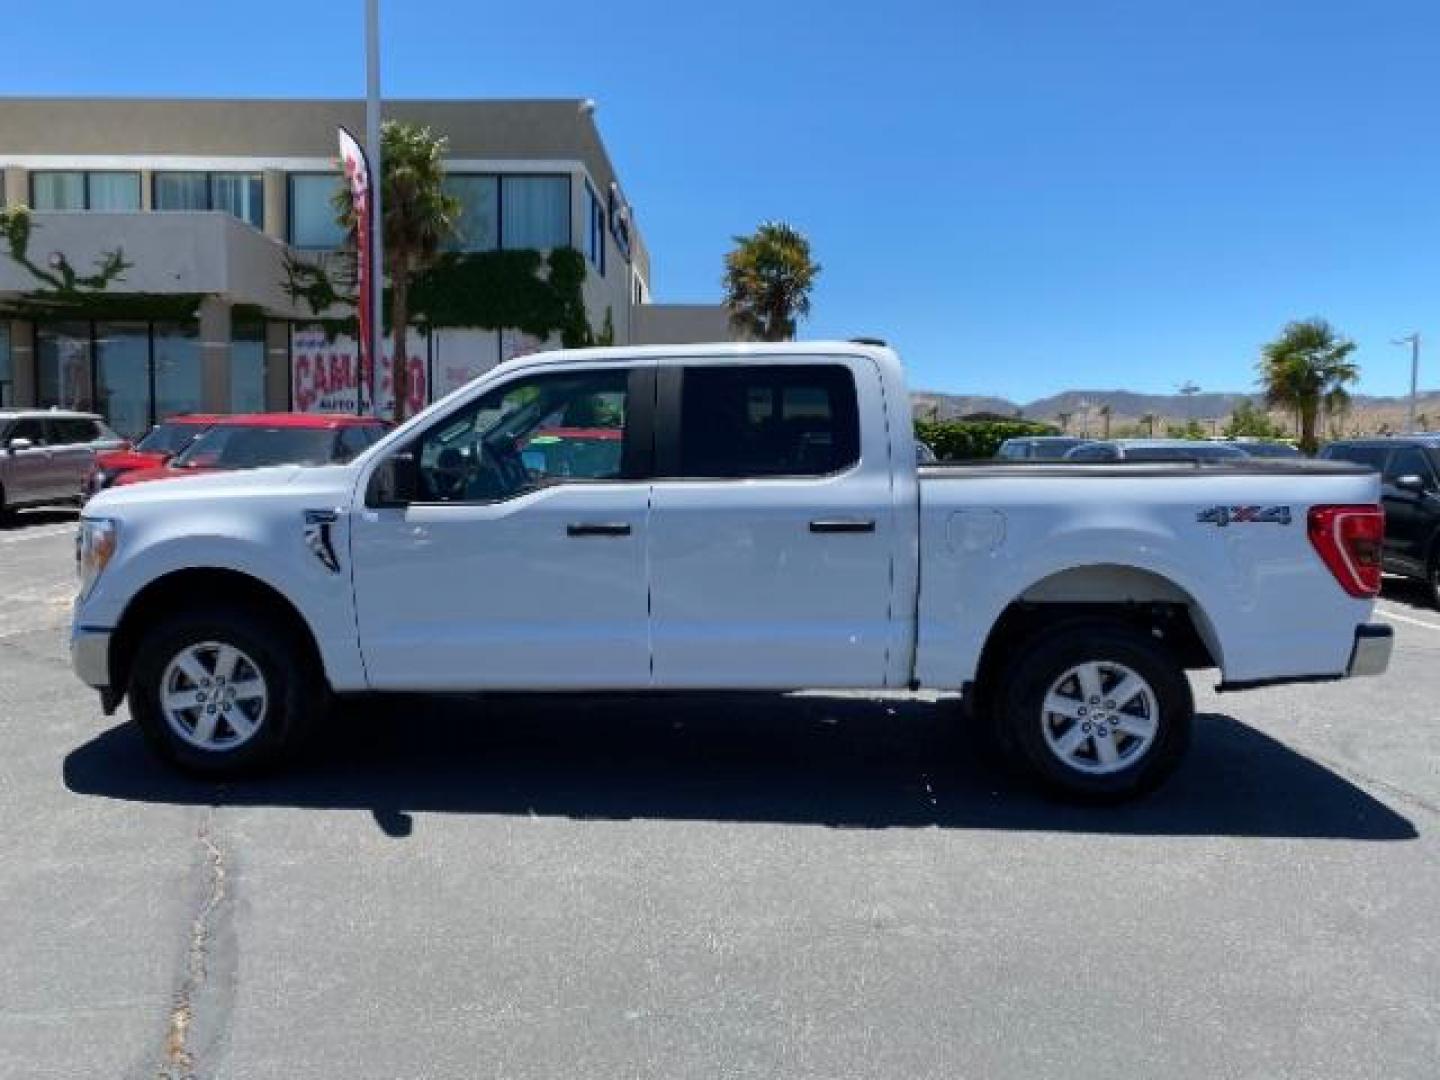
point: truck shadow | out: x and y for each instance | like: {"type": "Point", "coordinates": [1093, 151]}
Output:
{"type": "Point", "coordinates": [843, 762]}
{"type": "Point", "coordinates": [20, 520]}
{"type": "Point", "coordinates": [1411, 594]}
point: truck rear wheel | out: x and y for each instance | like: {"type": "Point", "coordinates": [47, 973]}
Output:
{"type": "Point", "coordinates": [222, 692]}
{"type": "Point", "coordinates": [1096, 710]}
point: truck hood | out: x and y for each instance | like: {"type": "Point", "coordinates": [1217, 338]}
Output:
{"type": "Point", "coordinates": [330, 483]}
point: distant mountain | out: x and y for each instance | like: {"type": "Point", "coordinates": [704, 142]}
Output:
{"type": "Point", "coordinates": [949, 406]}
{"type": "Point", "coordinates": [1369, 413]}
{"type": "Point", "coordinates": [1127, 404]}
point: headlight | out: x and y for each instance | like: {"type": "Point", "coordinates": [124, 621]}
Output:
{"type": "Point", "coordinates": [96, 547]}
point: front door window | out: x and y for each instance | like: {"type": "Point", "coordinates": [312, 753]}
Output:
{"type": "Point", "coordinates": [528, 434]}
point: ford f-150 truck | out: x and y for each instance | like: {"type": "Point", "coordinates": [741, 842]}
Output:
{"type": "Point", "coordinates": [730, 517]}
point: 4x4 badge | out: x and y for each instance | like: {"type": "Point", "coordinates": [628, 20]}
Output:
{"type": "Point", "coordinates": [1244, 515]}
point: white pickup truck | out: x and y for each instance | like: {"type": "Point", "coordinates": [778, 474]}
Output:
{"type": "Point", "coordinates": [723, 518]}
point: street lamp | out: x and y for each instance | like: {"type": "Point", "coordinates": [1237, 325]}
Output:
{"type": "Point", "coordinates": [1413, 340]}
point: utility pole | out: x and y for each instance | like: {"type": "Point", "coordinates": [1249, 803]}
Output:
{"type": "Point", "coordinates": [377, 214]}
{"type": "Point", "coordinates": [1413, 340]}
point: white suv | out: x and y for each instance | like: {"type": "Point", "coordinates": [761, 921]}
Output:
{"type": "Point", "coordinates": [47, 455]}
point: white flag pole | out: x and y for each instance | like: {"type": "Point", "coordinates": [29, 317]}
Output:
{"type": "Point", "coordinates": [377, 171]}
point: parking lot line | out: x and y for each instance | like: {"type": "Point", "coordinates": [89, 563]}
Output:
{"type": "Point", "coordinates": [39, 533]}
{"type": "Point", "coordinates": [1386, 613]}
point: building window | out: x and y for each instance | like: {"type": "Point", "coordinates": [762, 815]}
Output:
{"type": "Point", "coordinates": [62, 355]}
{"type": "Point", "coordinates": [122, 376]}
{"type": "Point", "coordinates": [181, 191]}
{"type": "Point", "coordinates": [478, 226]}
{"type": "Point", "coordinates": [619, 213]}
{"type": "Point", "coordinates": [57, 190]}
{"type": "Point", "coordinates": [175, 359]}
{"type": "Point", "coordinates": [595, 235]}
{"type": "Point", "coordinates": [241, 195]}
{"type": "Point", "coordinates": [313, 223]}
{"type": "Point", "coordinates": [534, 212]}
{"type": "Point", "coordinates": [72, 190]}
{"type": "Point", "coordinates": [247, 368]}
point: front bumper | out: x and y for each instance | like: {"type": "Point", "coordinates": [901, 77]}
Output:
{"type": "Point", "coordinates": [90, 656]}
{"type": "Point", "coordinates": [1371, 652]}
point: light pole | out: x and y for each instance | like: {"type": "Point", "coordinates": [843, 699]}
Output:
{"type": "Point", "coordinates": [377, 231]}
{"type": "Point", "coordinates": [1413, 340]}
{"type": "Point", "coordinates": [1188, 390]}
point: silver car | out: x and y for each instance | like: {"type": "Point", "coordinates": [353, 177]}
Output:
{"type": "Point", "coordinates": [47, 455]}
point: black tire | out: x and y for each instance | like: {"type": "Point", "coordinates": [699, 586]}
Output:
{"type": "Point", "coordinates": [296, 693]}
{"type": "Point", "coordinates": [1432, 580]}
{"type": "Point", "coordinates": [1029, 731]}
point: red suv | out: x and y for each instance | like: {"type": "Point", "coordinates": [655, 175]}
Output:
{"type": "Point", "coordinates": [160, 444]}
{"type": "Point", "coordinates": [259, 439]}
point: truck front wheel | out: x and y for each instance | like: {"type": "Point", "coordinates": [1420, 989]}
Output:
{"type": "Point", "coordinates": [222, 692]}
{"type": "Point", "coordinates": [1096, 710]}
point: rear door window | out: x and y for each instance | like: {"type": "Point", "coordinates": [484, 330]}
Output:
{"type": "Point", "coordinates": [745, 420]}
{"type": "Point", "coordinates": [70, 431]}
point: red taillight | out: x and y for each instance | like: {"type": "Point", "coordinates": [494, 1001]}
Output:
{"type": "Point", "coordinates": [1349, 540]}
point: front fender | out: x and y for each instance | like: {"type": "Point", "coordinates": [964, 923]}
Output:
{"type": "Point", "coordinates": [272, 550]}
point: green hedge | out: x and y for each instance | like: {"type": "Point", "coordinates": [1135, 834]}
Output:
{"type": "Point", "coordinates": [967, 440]}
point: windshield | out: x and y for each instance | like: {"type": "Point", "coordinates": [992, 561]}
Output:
{"type": "Point", "coordinates": [168, 438]}
{"type": "Point", "coordinates": [234, 447]}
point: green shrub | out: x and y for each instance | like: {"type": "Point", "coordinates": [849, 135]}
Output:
{"type": "Point", "coordinates": [969, 440]}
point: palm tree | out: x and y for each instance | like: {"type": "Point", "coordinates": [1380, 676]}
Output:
{"type": "Point", "coordinates": [419, 216]}
{"type": "Point", "coordinates": [1307, 369]}
{"type": "Point", "coordinates": [1150, 420]}
{"type": "Point", "coordinates": [1106, 411]}
{"type": "Point", "coordinates": [768, 278]}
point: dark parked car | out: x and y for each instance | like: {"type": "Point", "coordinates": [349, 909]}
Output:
{"type": "Point", "coordinates": [1036, 448]}
{"type": "Point", "coordinates": [1155, 450]}
{"type": "Point", "coordinates": [1408, 468]}
{"type": "Point", "coordinates": [1266, 448]}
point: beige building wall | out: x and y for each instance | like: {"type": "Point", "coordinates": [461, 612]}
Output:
{"type": "Point", "coordinates": [681, 324]}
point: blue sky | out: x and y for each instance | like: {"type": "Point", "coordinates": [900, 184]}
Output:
{"type": "Point", "coordinates": [1022, 196]}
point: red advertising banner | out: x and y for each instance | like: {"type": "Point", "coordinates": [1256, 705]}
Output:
{"type": "Point", "coordinates": [357, 175]}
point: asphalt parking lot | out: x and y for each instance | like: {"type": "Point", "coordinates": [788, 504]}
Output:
{"type": "Point", "coordinates": [813, 886]}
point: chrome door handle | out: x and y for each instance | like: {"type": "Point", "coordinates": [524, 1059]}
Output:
{"type": "Point", "coordinates": [843, 525]}
{"type": "Point", "coordinates": [597, 528]}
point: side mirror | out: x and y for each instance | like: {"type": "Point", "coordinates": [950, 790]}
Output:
{"type": "Point", "coordinates": [19, 444]}
{"type": "Point", "coordinates": [395, 481]}
{"type": "Point", "coordinates": [1413, 483]}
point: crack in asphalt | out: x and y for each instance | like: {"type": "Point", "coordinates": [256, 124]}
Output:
{"type": "Point", "coordinates": [201, 960]}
